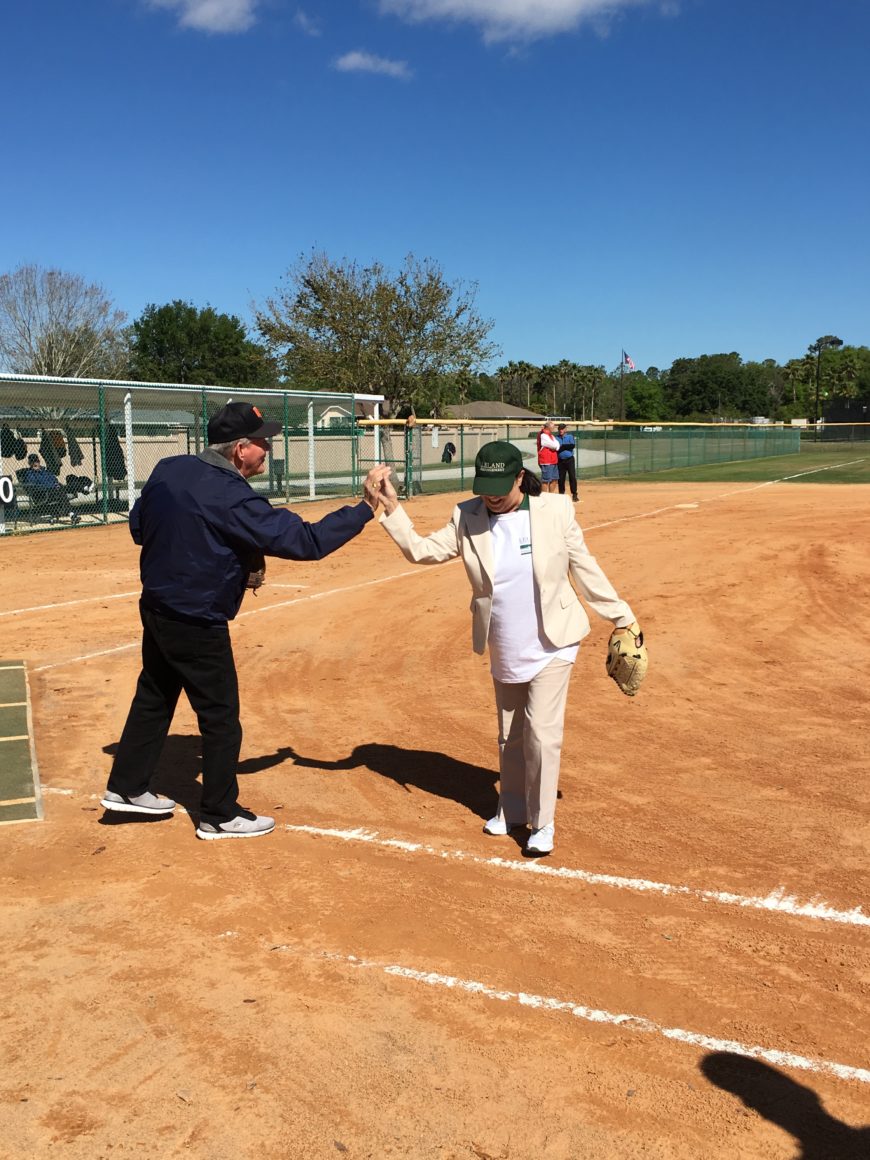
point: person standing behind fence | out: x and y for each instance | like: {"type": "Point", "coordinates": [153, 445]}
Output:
{"type": "Point", "coordinates": [204, 531]}
{"type": "Point", "coordinates": [548, 457]}
{"type": "Point", "coordinates": [524, 555]}
{"type": "Point", "coordinates": [566, 463]}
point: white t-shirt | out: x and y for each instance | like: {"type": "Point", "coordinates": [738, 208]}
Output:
{"type": "Point", "coordinates": [518, 649]}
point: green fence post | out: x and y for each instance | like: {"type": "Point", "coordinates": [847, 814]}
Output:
{"type": "Point", "coordinates": [462, 457]}
{"type": "Point", "coordinates": [204, 403]}
{"type": "Point", "coordinates": [605, 450]}
{"type": "Point", "coordinates": [630, 450]}
{"type": "Point", "coordinates": [103, 472]}
{"type": "Point", "coordinates": [286, 421]}
{"type": "Point", "coordinates": [354, 453]}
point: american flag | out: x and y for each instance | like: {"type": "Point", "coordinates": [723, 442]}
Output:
{"type": "Point", "coordinates": [628, 362]}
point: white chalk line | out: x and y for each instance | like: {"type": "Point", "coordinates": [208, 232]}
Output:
{"type": "Point", "coordinates": [424, 571]}
{"type": "Point", "coordinates": [625, 1021]}
{"type": "Point", "coordinates": [251, 612]}
{"type": "Point", "coordinates": [777, 901]}
{"type": "Point", "coordinates": [721, 495]}
{"type": "Point", "coordinates": [70, 603]}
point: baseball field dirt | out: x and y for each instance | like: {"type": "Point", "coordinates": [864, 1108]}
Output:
{"type": "Point", "coordinates": [378, 978]}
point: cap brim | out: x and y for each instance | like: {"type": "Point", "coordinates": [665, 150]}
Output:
{"type": "Point", "coordinates": [493, 484]}
{"type": "Point", "coordinates": [266, 430]}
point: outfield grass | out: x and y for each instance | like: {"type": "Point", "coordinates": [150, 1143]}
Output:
{"type": "Point", "coordinates": [842, 465]}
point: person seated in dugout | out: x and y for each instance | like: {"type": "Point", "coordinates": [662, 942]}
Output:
{"type": "Point", "coordinates": [47, 495]}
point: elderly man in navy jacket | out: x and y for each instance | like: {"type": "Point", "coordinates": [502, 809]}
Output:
{"type": "Point", "coordinates": [202, 527]}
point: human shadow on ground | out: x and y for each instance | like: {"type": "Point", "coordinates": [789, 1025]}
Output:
{"type": "Point", "coordinates": [788, 1104]}
{"type": "Point", "coordinates": [177, 775]}
{"type": "Point", "coordinates": [469, 785]}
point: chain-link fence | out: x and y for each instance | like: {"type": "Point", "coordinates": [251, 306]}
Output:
{"type": "Point", "coordinates": [440, 456]}
{"type": "Point", "coordinates": [838, 433]}
{"type": "Point", "coordinates": [74, 452]}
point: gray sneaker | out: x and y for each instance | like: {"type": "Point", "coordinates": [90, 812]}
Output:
{"type": "Point", "coordinates": [142, 803]}
{"type": "Point", "coordinates": [243, 825]}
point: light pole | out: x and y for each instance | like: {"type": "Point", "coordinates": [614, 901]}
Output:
{"type": "Point", "coordinates": [816, 348]}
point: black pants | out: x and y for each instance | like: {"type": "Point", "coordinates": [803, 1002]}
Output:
{"type": "Point", "coordinates": [178, 656]}
{"type": "Point", "coordinates": [566, 467]}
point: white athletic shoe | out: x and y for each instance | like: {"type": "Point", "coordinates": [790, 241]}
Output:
{"type": "Point", "coordinates": [142, 803]}
{"type": "Point", "coordinates": [243, 825]}
{"type": "Point", "coordinates": [498, 826]}
{"type": "Point", "coordinates": [541, 841]}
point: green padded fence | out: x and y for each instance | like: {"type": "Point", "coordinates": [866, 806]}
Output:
{"type": "Point", "coordinates": [440, 457]}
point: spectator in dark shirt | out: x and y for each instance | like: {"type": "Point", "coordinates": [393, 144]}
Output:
{"type": "Point", "coordinates": [203, 530]}
{"type": "Point", "coordinates": [35, 475]}
{"type": "Point", "coordinates": [566, 463]}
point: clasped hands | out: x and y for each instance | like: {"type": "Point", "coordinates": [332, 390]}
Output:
{"type": "Point", "coordinates": [377, 489]}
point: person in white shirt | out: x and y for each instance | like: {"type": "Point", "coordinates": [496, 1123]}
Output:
{"type": "Point", "coordinates": [521, 550]}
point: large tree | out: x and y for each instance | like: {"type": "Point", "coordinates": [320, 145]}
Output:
{"type": "Point", "coordinates": [56, 323]}
{"type": "Point", "coordinates": [181, 343]}
{"type": "Point", "coordinates": [337, 325]}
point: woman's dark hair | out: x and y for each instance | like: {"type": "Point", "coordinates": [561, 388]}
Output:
{"type": "Point", "coordinates": [530, 483]}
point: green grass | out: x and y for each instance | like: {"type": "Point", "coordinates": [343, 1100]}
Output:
{"type": "Point", "coordinates": [839, 463]}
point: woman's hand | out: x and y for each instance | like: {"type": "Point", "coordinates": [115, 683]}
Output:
{"type": "Point", "coordinates": [388, 496]}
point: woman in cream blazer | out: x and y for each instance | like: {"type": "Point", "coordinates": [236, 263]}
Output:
{"type": "Point", "coordinates": [526, 560]}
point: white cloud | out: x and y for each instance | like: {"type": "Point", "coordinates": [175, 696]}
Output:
{"type": "Point", "coordinates": [512, 19]}
{"type": "Point", "coordinates": [359, 61]}
{"type": "Point", "coordinates": [304, 21]}
{"type": "Point", "coordinates": [212, 15]}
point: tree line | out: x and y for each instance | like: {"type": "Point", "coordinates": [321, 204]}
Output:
{"type": "Point", "coordinates": [411, 335]}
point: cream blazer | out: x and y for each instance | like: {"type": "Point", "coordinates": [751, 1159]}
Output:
{"type": "Point", "coordinates": [559, 557]}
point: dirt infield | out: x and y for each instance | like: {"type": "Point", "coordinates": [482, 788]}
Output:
{"type": "Point", "coordinates": [381, 979]}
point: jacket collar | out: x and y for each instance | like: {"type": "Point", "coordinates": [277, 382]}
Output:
{"type": "Point", "coordinates": [213, 459]}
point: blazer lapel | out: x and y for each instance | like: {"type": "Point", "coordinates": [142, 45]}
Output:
{"type": "Point", "coordinates": [541, 537]}
{"type": "Point", "coordinates": [477, 518]}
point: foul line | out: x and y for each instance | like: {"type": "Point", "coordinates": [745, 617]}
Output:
{"type": "Point", "coordinates": [722, 495]}
{"type": "Point", "coordinates": [70, 603]}
{"type": "Point", "coordinates": [637, 1023]}
{"type": "Point", "coordinates": [251, 612]}
{"type": "Point", "coordinates": [777, 900]}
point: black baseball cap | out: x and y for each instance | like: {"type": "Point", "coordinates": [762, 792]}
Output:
{"type": "Point", "coordinates": [240, 421]}
{"type": "Point", "coordinates": [496, 468]}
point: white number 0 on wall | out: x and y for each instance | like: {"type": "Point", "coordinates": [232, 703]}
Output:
{"type": "Point", "coordinates": [7, 489]}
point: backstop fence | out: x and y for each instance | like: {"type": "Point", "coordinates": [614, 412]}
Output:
{"type": "Point", "coordinates": [97, 441]}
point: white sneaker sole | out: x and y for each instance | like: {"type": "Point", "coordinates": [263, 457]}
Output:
{"type": "Point", "coordinates": [127, 808]}
{"type": "Point", "coordinates": [208, 836]}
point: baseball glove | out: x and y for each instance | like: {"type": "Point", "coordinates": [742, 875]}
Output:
{"type": "Point", "coordinates": [627, 659]}
{"type": "Point", "coordinates": [257, 574]}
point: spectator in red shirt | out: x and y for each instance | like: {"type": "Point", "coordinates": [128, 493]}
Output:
{"type": "Point", "coordinates": [548, 457]}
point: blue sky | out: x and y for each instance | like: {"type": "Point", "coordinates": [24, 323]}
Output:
{"type": "Point", "coordinates": [673, 178]}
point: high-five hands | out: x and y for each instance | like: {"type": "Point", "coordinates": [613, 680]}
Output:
{"type": "Point", "coordinates": [373, 483]}
{"type": "Point", "coordinates": [389, 497]}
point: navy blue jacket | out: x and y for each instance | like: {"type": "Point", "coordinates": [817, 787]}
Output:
{"type": "Point", "coordinates": [200, 525]}
{"type": "Point", "coordinates": [566, 446]}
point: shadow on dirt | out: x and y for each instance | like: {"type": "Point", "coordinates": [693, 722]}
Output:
{"type": "Point", "coordinates": [471, 786]}
{"type": "Point", "coordinates": [788, 1104]}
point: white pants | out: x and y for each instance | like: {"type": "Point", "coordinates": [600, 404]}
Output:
{"type": "Point", "coordinates": [531, 719]}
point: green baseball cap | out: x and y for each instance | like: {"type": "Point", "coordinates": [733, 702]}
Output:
{"type": "Point", "coordinates": [496, 468]}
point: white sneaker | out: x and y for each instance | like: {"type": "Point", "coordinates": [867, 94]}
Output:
{"type": "Point", "coordinates": [243, 825]}
{"type": "Point", "coordinates": [142, 803]}
{"type": "Point", "coordinates": [541, 841]}
{"type": "Point", "coordinates": [498, 827]}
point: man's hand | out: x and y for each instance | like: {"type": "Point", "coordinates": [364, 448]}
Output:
{"type": "Point", "coordinates": [372, 485]}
